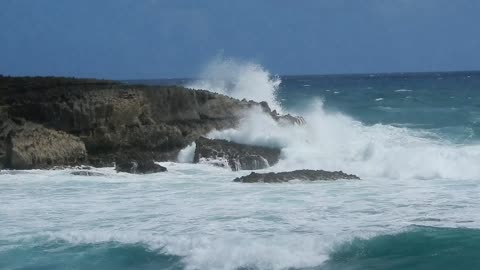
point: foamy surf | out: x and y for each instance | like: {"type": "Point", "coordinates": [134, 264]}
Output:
{"type": "Point", "coordinates": [195, 217]}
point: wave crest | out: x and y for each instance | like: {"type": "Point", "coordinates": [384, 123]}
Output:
{"type": "Point", "coordinates": [334, 141]}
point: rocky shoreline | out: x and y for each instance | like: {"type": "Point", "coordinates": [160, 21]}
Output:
{"type": "Point", "coordinates": [50, 122]}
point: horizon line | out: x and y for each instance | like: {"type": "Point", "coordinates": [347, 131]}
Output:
{"type": "Point", "coordinates": [393, 73]}
{"type": "Point", "coordinates": [325, 74]}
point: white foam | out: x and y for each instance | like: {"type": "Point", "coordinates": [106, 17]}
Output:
{"type": "Point", "coordinates": [195, 211]}
{"type": "Point", "coordinates": [228, 251]}
{"type": "Point", "coordinates": [333, 141]}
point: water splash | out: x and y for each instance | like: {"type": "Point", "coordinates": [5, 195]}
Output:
{"type": "Point", "coordinates": [239, 79]}
{"type": "Point", "coordinates": [186, 155]}
{"type": "Point", "coordinates": [334, 141]}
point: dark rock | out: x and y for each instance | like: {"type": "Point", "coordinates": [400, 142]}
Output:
{"type": "Point", "coordinates": [87, 173]}
{"type": "Point", "coordinates": [234, 155]}
{"type": "Point", "coordinates": [139, 167]}
{"type": "Point", "coordinates": [303, 175]}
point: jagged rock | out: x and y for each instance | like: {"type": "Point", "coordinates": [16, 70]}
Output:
{"type": "Point", "coordinates": [303, 175]}
{"type": "Point", "coordinates": [234, 155]}
{"type": "Point", "coordinates": [32, 146]}
{"type": "Point", "coordinates": [139, 167]}
{"type": "Point", "coordinates": [286, 119]}
{"type": "Point", "coordinates": [87, 173]}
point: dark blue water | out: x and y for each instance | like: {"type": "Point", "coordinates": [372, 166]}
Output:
{"type": "Point", "coordinates": [448, 103]}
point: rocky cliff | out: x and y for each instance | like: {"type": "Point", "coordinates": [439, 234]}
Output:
{"type": "Point", "coordinates": [103, 120]}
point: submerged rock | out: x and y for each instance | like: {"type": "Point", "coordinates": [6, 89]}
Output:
{"type": "Point", "coordinates": [234, 155]}
{"type": "Point", "coordinates": [139, 167]}
{"type": "Point", "coordinates": [304, 175]}
{"type": "Point", "coordinates": [87, 173]}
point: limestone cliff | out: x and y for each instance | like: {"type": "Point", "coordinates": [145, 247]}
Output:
{"type": "Point", "coordinates": [115, 120]}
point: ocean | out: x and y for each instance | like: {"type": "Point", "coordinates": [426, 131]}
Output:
{"type": "Point", "coordinates": [413, 138]}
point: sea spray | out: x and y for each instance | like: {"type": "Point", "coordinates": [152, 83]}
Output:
{"type": "Point", "coordinates": [187, 154]}
{"type": "Point", "coordinates": [239, 79]}
{"type": "Point", "coordinates": [333, 141]}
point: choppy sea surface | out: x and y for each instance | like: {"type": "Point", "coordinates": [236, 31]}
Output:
{"type": "Point", "coordinates": [412, 138]}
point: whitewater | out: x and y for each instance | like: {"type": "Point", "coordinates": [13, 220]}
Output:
{"type": "Point", "coordinates": [416, 207]}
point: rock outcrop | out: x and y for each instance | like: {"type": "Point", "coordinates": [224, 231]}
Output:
{"type": "Point", "coordinates": [303, 175]}
{"type": "Point", "coordinates": [139, 166]}
{"type": "Point", "coordinates": [32, 146]}
{"type": "Point", "coordinates": [234, 155]}
{"type": "Point", "coordinates": [286, 119]}
{"type": "Point", "coordinates": [115, 120]}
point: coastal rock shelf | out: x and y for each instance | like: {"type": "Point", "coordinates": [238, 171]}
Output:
{"type": "Point", "coordinates": [96, 122]}
{"type": "Point", "coordinates": [302, 175]}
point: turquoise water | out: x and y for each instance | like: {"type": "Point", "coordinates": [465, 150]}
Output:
{"type": "Point", "coordinates": [446, 103]}
{"type": "Point", "coordinates": [422, 248]}
{"type": "Point", "coordinates": [412, 138]}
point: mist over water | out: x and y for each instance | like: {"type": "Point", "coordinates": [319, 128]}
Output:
{"type": "Point", "coordinates": [416, 207]}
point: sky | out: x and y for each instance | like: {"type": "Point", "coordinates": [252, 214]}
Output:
{"type": "Point", "coordinates": [147, 39]}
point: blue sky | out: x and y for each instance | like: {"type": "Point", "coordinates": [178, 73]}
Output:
{"type": "Point", "coordinates": [132, 39]}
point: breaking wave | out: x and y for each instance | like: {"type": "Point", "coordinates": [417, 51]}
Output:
{"type": "Point", "coordinates": [335, 141]}
{"type": "Point", "coordinates": [416, 248]}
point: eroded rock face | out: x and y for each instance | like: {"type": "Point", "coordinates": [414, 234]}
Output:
{"type": "Point", "coordinates": [303, 175]}
{"type": "Point", "coordinates": [117, 120]}
{"type": "Point", "coordinates": [236, 156]}
{"type": "Point", "coordinates": [32, 146]}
